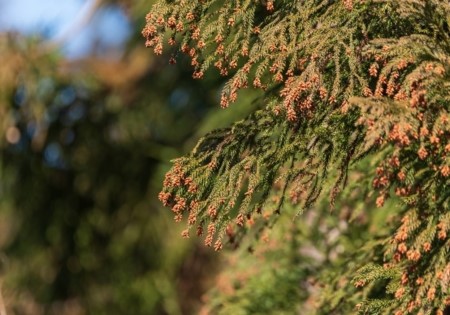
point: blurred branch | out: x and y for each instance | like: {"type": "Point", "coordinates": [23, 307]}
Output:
{"type": "Point", "coordinates": [83, 19]}
{"type": "Point", "coordinates": [2, 304]}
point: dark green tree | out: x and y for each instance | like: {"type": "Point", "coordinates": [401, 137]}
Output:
{"type": "Point", "coordinates": [355, 114]}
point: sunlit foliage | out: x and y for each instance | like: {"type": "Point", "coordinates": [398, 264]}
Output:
{"type": "Point", "coordinates": [343, 81]}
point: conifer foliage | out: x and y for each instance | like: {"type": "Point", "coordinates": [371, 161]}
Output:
{"type": "Point", "coordinates": [343, 80]}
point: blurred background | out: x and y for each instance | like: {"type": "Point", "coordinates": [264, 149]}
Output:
{"type": "Point", "coordinates": [89, 120]}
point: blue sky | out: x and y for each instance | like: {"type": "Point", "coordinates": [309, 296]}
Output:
{"type": "Point", "coordinates": [107, 30]}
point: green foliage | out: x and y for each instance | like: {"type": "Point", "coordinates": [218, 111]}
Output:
{"type": "Point", "coordinates": [343, 80]}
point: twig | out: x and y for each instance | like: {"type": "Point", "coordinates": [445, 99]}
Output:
{"type": "Point", "coordinates": [82, 20]}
